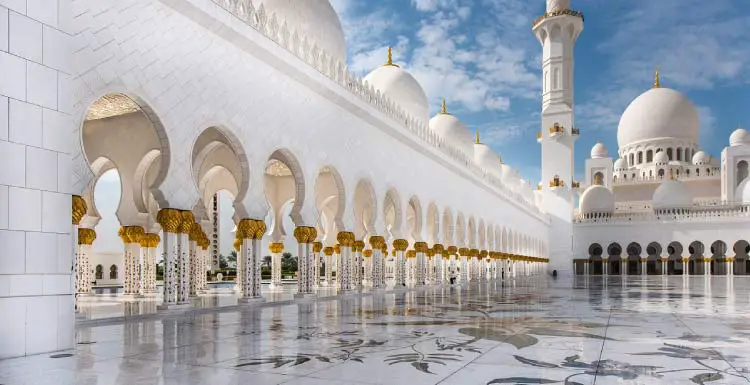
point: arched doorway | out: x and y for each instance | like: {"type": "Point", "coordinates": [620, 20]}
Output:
{"type": "Point", "coordinates": [741, 259]}
{"type": "Point", "coordinates": [719, 263]}
{"type": "Point", "coordinates": [614, 251]}
{"type": "Point", "coordinates": [674, 255]}
{"type": "Point", "coordinates": [653, 266]}
{"type": "Point", "coordinates": [595, 259]}
{"type": "Point", "coordinates": [634, 259]}
{"type": "Point", "coordinates": [695, 264]}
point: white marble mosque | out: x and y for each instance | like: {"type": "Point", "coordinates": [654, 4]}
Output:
{"type": "Point", "coordinates": [635, 275]}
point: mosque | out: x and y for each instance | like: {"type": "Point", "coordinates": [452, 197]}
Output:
{"type": "Point", "coordinates": [254, 97]}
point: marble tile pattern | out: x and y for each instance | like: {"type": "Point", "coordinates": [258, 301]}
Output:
{"type": "Point", "coordinates": [636, 330]}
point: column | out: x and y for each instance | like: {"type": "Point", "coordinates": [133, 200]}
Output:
{"type": "Point", "coordinates": [205, 261]}
{"type": "Point", "coordinates": [411, 267]}
{"type": "Point", "coordinates": [305, 236]}
{"type": "Point", "coordinates": [644, 265]}
{"type": "Point", "coordinates": [86, 238]}
{"type": "Point", "coordinates": [149, 242]}
{"type": "Point", "coordinates": [730, 265]}
{"type": "Point", "coordinates": [420, 249]}
{"type": "Point", "coordinates": [183, 261]}
{"type": "Point", "coordinates": [170, 220]}
{"type": "Point", "coordinates": [276, 248]}
{"type": "Point", "coordinates": [664, 266]}
{"type": "Point", "coordinates": [400, 246]}
{"type": "Point", "coordinates": [605, 266]}
{"type": "Point", "coordinates": [483, 265]}
{"type": "Point", "coordinates": [337, 263]}
{"type": "Point", "coordinates": [439, 250]}
{"type": "Point", "coordinates": [131, 238]}
{"type": "Point", "coordinates": [464, 265]}
{"type": "Point", "coordinates": [707, 266]}
{"type": "Point", "coordinates": [317, 249]}
{"type": "Point", "coordinates": [685, 266]}
{"type": "Point", "coordinates": [379, 250]}
{"type": "Point", "coordinates": [367, 264]}
{"type": "Point", "coordinates": [346, 241]}
{"type": "Point", "coordinates": [240, 263]}
{"type": "Point", "coordinates": [195, 261]}
{"type": "Point", "coordinates": [250, 231]}
{"type": "Point", "coordinates": [357, 249]}
{"type": "Point", "coordinates": [328, 251]}
{"type": "Point", "coordinates": [624, 266]}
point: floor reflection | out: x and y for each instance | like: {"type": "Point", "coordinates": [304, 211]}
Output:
{"type": "Point", "coordinates": [625, 330]}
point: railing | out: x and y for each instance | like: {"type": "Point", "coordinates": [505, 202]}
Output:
{"type": "Point", "coordinates": [715, 172]}
{"type": "Point", "coordinates": [568, 12]}
{"type": "Point", "coordinates": [298, 45]}
{"type": "Point", "coordinates": [690, 214]}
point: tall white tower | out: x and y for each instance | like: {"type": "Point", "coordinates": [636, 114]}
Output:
{"type": "Point", "coordinates": [557, 30]}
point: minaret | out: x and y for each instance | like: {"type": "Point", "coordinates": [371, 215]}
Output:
{"type": "Point", "coordinates": [557, 30]}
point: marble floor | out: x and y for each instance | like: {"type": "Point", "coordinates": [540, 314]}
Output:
{"type": "Point", "coordinates": [654, 330]}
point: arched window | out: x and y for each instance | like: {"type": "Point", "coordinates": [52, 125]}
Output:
{"type": "Point", "coordinates": [99, 272]}
{"type": "Point", "coordinates": [650, 156]}
{"type": "Point", "coordinates": [599, 179]}
{"type": "Point", "coordinates": [650, 173]}
{"type": "Point", "coordinates": [697, 172]}
{"type": "Point", "coordinates": [632, 159]}
{"type": "Point", "coordinates": [679, 154]}
{"type": "Point", "coordinates": [669, 153]}
{"type": "Point", "coordinates": [556, 78]}
{"type": "Point", "coordinates": [661, 173]}
{"type": "Point", "coordinates": [742, 171]}
{"type": "Point", "coordinates": [113, 272]}
{"type": "Point", "coordinates": [624, 176]}
{"type": "Point", "coordinates": [687, 172]}
{"type": "Point", "coordinates": [640, 157]}
{"type": "Point", "coordinates": [546, 81]}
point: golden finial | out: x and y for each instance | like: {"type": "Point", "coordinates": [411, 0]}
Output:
{"type": "Point", "coordinates": [444, 109]}
{"type": "Point", "coordinates": [477, 142]}
{"type": "Point", "coordinates": [500, 158]}
{"type": "Point", "coordinates": [657, 83]}
{"type": "Point", "coordinates": [390, 58]}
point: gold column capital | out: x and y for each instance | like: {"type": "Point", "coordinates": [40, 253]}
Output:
{"type": "Point", "coordinates": [367, 253]}
{"type": "Point", "coordinates": [195, 232]}
{"type": "Point", "coordinates": [79, 209]}
{"type": "Point", "coordinates": [186, 222]}
{"type": "Point", "coordinates": [328, 251]}
{"type": "Point", "coordinates": [400, 244]}
{"type": "Point", "coordinates": [438, 248]}
{"type": "Point", "coordinates": [86, 236]}
{"type": "Point", "coordinates": [452, 250]}
{"type": "Point", "coordinates": [305, 234]}
{"type": "Point", "coordinates": [377, 242]}
{"type": "Point", "coordinates": [170, 220]}
{"type": "Point", "coordinates": [276, 247]}
{"type": "Point", "coordinates": [358, 246]}
{"type": "Point", "coordinates": [337, 248]}
{"type": "Point", "coordinates": [345, 238]}
{"type": "Point", "coordinates": [411, 254]}
{"type": "Point", "coordinates": [420, 247]}
{"type": "Point", "coordinates": [237, 244]}
{"type": "Point", "coordinates": [317, 247]}
{"type": "Point", "coordinates": [131, 234]}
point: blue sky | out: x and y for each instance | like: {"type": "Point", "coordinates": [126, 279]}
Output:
{"type": "Point", "coordinates": [482, 57]}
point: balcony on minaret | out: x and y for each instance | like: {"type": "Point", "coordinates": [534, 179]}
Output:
{"type": "Point", "coordinates": [575, 131]}
{"type": "Point", "coordinates": [575, 185]}
{"type": "Point", "coordinates": [556, 182]}
{"type": "Point", "coordinates": [556, 131]}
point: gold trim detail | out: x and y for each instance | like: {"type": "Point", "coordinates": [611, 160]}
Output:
{"type": "Point", "coordinates": [79, 209]}
{"type": "Point", "coordinates": [86, 236]}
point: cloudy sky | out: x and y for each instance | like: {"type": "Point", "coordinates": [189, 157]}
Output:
{"type": "Point", "coordinates": [482, 57]}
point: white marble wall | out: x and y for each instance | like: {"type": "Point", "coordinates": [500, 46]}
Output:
{"type": "Point", "coordinates": [35, 176]}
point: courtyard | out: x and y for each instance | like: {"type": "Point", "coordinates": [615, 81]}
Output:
{"type": "Point", "coordinates": [584, 330]}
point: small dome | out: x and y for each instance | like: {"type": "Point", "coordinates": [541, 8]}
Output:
{"type": "Point", "coordinates": [701, 158]}
{"type": "Point", "coordinates": [557, 5]}
{"type": "Point", "coordinates": [658, 113]}
{"type": "Point", "coordinates": [597, 200]}
{"type": "Point", "coordinates": [661, 158]}
{"type": "Point", "coordinates": [486, 158]}
{"type": "Point", "coordinates": [742, 193]}
{"type": "Point", "coordinates": [740, 137]}
{"type": "Point", "coordinates": [672, 194]}
{"type": "Point", "coordinates": [621, 164]}
{"type": "Point", "coordinates": [403, 89]}
{"type": "Point", "coordinates": [314, 19]}
{"type": "Point", "coordinates": [599, 151]}
{"type": "Point", "coordinates": [453, 131]}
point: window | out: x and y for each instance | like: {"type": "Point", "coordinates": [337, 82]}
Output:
{"type": "Point", "coordinates": [640, 157]}
{"type": "Point", "coordinates": [632, 159]}
{"type": "Point", "coordinates": [99, 272]}
{"type": "Point", "coordinates": [650, 156]}
{"type": "Point", "coordinates": [687, 172]}
{"type": "Point", "coordinates": [661, 173]}
{"type": "Point", "coordinates": [669, 153]}
{"type": "Point", "coordinates": [598, 179]}
{"type": "Point", "coordinates": [679, 154]}
{"type": "Point", "coordinates": [742, 171]}
{"type": "Point", "coordinates": [113, 272]}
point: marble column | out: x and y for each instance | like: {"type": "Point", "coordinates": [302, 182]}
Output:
{"type": "Point", "coordinates": [400, 246]}
{"type": "Point", "coordinates": [251, 231]}
{"type": "Point", "coordinates": [439, 250]}
{"type": "Point", "coordinates": [131, 238]}
{"type": "Point", "coordinates": [411, 267]}
{"type": "Point", "coordinates": [685, 266]}
{"type": "Point", "coordinates": [605, 266]}
{"type": "Point", "coordinates": [346, 241]}
{"type": "Point", "coordinates": [86, 238]}
{"type": "Point", "coordinates": [240, 263]}
{"type": "Point", "coordinates": [170, 220]}
{"type": "Point", "coordinates": [277, 249]}
{"type": "Point", "coordinates": [317, 250]}
{"type": "Point", "coordinates": [379, 250]}
{"type": "Point", "coordinates": [664, 266]}
{"type": "Point", "coordinates": [78, 210]}
{"type": "Point", "coordinates": [707, 266]}
{"type": "Point", "coordinates": [367, 264]}
{"type": "Point", "coordinates": [183, 262]}
{"type": "Point", "coordinates": [357, 249]}
{"type": "Point", "coordinates": [464, 265]}
{"type": "Point", "coordinates": [337, 265]}
{"type": "Point", "coordinates": [149, 242]}
{"type": "Point", "coordinates": [328, 251]}
{"type": "Point", "coordinates": [644, 266]}
{"type": "Point", "coordinates": [730, 265]}
{"type": "Point", "coordinates": [430, 267]}
{"type": "Point", "coordinates": [483, 265]}
{"type": "Point", "coordinates": [195, 261]}
{"type": "Point", "coordinates": [205, 264]}
{"type": "Point", "coordinates": [305, 236]}
{"type": "Point", "coordinates": [420, 249]}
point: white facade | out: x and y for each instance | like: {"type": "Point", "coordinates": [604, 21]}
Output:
{"type": "Point", "coordinates": [186, 97]}
{"type": "Point", "coordinates": [112, 269]}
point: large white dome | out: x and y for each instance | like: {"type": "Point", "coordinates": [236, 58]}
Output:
{"type": "Point", "coordinates": [672, 194]}
{"type": "Point", "coordinates": [402, 88]}
{"type": "Point", "coordinates": [452, 130]}
{"type": "Point", "coordinates": [597, 200]}
{"type": "Point", "coordinates": [315, 19]}
{"type": "Point", "coordinates": [658, 113]}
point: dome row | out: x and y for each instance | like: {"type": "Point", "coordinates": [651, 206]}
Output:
{"type": "Point", "coordinates": [671, 194]}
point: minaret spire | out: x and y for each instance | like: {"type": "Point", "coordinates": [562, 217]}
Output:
{"type": "Point", "coordinates": [390, 58]}
{"type": "Point", "coordinates": [477, 142]}
{"type": "Point", "coordinates": [444, 108]}
{"type": "Point", "coordinates": [657, 83]}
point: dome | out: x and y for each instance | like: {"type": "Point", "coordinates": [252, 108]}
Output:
{"type": "Point", "coordinates": [402, 88]}
{"type": "Point", "coordinates": [621, 164]}
{"type": "Point", "coordinates": [557, 5]}
{"type": "Point", "coordinates": [486, 158]}
{"type": "Point", "coordinates": [658, 113]}
{"type": "Point", "coordinates": [739, 137]}
{"type": "Point", "coordinates": [452, 131]}
{"type": "Point", "coordinates": [598, 151]}
{"type": "Point", "coordinates": [315, 19]}
{"type": "Point", "coordinates": [700, 158]}
{"type": "Point", "coordinates": [661, 158]}
{"type": "Point", "coordinates": [672, 194]}
{"type": "Point", "coordinates": [597, 200]}
{"type": "Point", "coordinates": [742, 193]}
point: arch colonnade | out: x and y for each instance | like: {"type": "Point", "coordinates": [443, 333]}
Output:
{"type": "Point", "coordinates": [720, 258]}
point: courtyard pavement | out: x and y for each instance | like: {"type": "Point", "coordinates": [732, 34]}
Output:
{"type": "Point", "coordinates": [623, 330]}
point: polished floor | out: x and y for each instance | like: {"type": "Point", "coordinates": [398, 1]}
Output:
{"type": "Point", "coordinates": [655, 330]}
